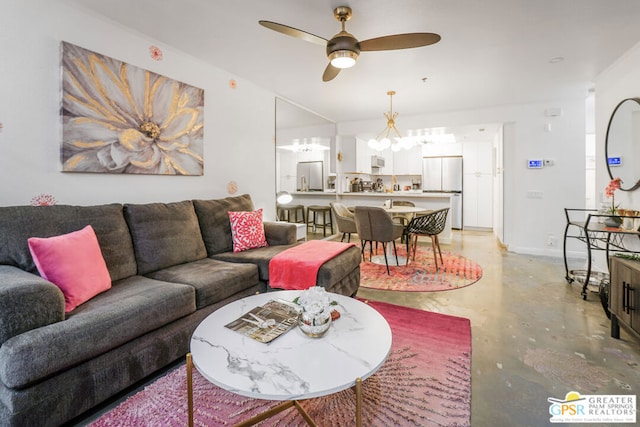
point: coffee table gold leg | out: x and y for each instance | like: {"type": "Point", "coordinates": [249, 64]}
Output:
{"type": "Point", "coordinates": [190, 389]}
{"type": "Point", "coordinates": [358, 402]}
{"type": "Point", "coordinates": [304, 414]}
{"type": "Point", "coordinates": [267, 414]}
{"type": "Point", "coordinates": [276, 410]}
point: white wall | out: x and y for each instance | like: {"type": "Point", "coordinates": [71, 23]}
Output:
{"type": "Point", "coordinates": [238, 132]}
{"type": "Point", "coordinates": [527, 222]}
{"type": "Point", "coordinates": [618, 82]}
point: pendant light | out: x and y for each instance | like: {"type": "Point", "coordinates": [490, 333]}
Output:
{"type": "Point", "coordinates": [383, 140]}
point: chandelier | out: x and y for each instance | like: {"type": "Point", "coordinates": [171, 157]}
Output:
{"type": "Point", "coordinates": [306, 145]}
{"type": "Point", "coordinates": [390, 136]}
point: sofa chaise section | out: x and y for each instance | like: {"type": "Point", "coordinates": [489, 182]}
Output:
{"type": "Point", "coordinates": [340, 274]}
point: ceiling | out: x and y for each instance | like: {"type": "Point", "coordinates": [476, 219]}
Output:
{"type": "Point", "coordinates": [492, 52]}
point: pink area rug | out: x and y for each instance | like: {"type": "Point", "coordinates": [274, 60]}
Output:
{"type": "Point", "coordinates": [426, 381]}
{"type": "Point", "coordinates": [420, 275]}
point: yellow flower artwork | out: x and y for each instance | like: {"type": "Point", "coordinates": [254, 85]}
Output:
{"type": "Point", "coordinates": [118, 118]}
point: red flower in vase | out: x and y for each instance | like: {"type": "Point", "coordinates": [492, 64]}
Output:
{"type": "Point", "coordinates": [610, 191]}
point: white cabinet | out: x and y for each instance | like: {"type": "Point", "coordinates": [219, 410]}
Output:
{"type": "Point", "coordinates": [356, 155]}
{"type": "Point", "coordinates": [363, 156]}
{"type": "Point", "coordinates": [408, 162]}
{"type": "Point", "coordinates": [478, 184]}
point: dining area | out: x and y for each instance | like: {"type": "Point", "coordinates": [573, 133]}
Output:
{"type": "Point", "coordinates": [382, 223]}
{"type": "Point", "coordinates": [384, 226]}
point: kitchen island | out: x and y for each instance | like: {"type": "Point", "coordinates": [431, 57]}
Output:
{"type": "Point", "coordinates": [428, 201]}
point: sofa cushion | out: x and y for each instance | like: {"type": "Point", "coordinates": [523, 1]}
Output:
{"type": "Point", "coordinates": [259, 256]}
{"type": "Point", "coordinates": [164, 234]}
{"type": "Point", "coordinates": [74, 263]}
{"type": "Point", "coordinates": [213, 280]}
{"type": "Point", "coordinates": [247, 230]}
{"type": "Point", "coordinates": [18, 223]}
{"type": "Point", "coordinates": [214, 221]}
{"type": "Point", "coordinates": [131, 308]}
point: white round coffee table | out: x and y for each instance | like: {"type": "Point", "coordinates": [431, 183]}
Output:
{"type": "Point", "coordinates": [293, 366]}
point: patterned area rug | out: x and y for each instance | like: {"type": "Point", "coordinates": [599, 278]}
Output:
{"type": "Point", "coordinates": [420, 275]}
{"type": "Point", "coordinates": [426, 381]}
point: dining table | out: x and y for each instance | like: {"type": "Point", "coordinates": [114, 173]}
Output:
{"type": "Point", "coordinates": [406, 210]}
{"type": "Point", "coordinates": [409, 212]}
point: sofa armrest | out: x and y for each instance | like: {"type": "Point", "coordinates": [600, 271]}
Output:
{"type": "Point", "coordinates": [280, 233]}
{"type": "Point", "coordinates": [27, 302]}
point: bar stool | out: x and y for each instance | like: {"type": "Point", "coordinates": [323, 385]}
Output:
{"type": "Point", "coordinates": [326, 218]}
{"type": "Point", "coordinates": [291, 213]}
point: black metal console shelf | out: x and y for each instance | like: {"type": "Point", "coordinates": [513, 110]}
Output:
{"type": "Point", "coordinates": [596, 237]}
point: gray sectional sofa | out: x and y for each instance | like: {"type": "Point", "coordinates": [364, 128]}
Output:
{"type": "Point", "coordinates": [171, 264]}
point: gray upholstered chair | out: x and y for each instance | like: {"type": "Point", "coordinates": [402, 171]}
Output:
{"type": "Point", "coordinates": [430, 225]}
{"type": "Point", "coordinates": [344, 219]}
{"type": "Point", "coordinates": [375, 225]}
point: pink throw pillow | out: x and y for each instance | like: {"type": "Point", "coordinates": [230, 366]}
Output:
{"type": "Point", "coordinates": [247, 230]}
{"type": "Point", "coordinates": [74, 263]}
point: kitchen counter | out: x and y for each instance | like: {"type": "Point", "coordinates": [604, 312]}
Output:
{"type": "Point", "coordinates": [428, 201]}
{"type": "Point", "coordinates": [397, 194]}
{"type": "Point", "coordinates": [314, 193]}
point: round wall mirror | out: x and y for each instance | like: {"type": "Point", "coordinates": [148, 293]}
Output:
{"type": "Point", "coordinates": [622, 145]}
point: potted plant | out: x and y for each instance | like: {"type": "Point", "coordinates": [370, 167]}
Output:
{"type": "Point", "coordinates": [613, 220]}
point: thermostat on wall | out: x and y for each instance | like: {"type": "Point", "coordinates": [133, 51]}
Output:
{"type": "Point", "coordinates": [535, 164]}
{"type": "Point", "coordinates": [614, 161]}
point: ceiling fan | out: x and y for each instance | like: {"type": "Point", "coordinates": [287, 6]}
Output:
{"type": "Point", "coordinates": [343, 49]}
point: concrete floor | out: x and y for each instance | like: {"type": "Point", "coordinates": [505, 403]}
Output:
{"type": "Point", "coordinates": [533, 337]}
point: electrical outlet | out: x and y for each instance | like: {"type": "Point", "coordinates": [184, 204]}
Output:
{"type": "Point", "coordinates": [551, 239]}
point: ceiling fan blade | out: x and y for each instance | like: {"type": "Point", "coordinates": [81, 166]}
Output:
{"type": "Point", "coordinates": [399, 41]}
{"type": "Point", "coordinates": [330, 73]}
{"type": "Point", "coordinates": [294, 32]}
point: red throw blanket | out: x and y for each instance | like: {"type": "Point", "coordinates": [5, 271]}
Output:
{"type": "Point", "coordinates": [297, 267]}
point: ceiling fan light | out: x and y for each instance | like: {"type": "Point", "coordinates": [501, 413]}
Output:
{"type": "Point", "coordinates": [343, 58]}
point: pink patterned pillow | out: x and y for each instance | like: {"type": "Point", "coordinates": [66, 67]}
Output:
{"type": "Point", "coordinates": [247, 230]}
{"type": "Point", "coordinates": [74, 263]}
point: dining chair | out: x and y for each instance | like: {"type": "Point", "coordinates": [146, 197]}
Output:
{"type": "Point", "coordinates": [374, 224]}
{"type": "Point", "coordinates": [400, 218]}
{"type": "Point", "coordinates": [430, 225]}
{"type": "Point", "coordinates": [345, 220]}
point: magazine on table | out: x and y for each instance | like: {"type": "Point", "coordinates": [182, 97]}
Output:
{"type": "Point", "coordinates": [266, 322]}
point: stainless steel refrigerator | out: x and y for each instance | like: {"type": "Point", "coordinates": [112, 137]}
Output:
{"type": "Point", "coordinates": [444, 175]}
{"type": "Point", "coordinates": [310, 176]}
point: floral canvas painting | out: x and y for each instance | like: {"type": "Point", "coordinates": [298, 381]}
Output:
{"type": "Point", "coordinates": [118, 118]}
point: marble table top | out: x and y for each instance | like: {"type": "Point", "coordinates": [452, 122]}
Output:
{"type": "Point", "coordinates": [293, 366]}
